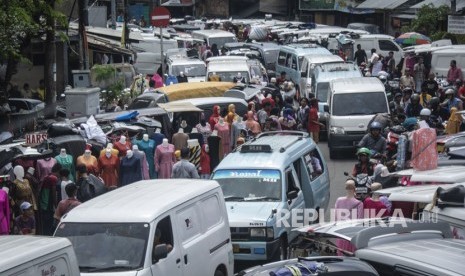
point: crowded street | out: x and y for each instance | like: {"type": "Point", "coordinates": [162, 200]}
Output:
{"type": "Point", "coordinates": [221, 138]}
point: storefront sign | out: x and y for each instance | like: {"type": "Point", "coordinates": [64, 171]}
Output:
{"type": "Point", "coordinates": [456, 24]}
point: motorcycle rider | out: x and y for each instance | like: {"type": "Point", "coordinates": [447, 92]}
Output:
{"type": "Point", "coordinates": [373, 140]}
{"type": "Point", "coordinates": [441, 113]}
{"type": "Point", "coordinates": [452, 100]}
{"type": "Point", "coordinates": [364, 165]}
{"type": "Point", "coordinates": [414, 107]}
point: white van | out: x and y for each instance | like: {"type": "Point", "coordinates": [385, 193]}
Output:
{"type": "Point", "coordinates": [34, 255]}
{"type": "Point", "coordinates": [352, 104]}
{"type": "Point", "coordinates": [227, 68]}
{"type": "Point", "coordinates": [382, 43]}
{"type": "Point", "coordinates": [218, 37]}
{"type": "Point", "coordinates": [153, 227]}
{"type": "Point", "coordinates": [440, 59]}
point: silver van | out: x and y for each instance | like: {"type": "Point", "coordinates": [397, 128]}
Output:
{"type": "Point", "coordinates": [291, 57]}
{"type": "Point", "coordinates": [266, 181]}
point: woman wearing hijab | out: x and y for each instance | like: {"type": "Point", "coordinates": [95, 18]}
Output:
{"type": "Point", "coordinates": [454, 122]}
{"type": "Point", "coordinates": [215, 117]}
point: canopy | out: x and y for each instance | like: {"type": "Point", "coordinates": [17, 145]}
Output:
{"type": "Point", "coordinates": [189, 90]}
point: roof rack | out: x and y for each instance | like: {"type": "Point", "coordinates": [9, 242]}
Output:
{"type": "Point", "coordinates": [300, 135]}
{"type": "Point", "coordinates": [363, 237]}
{"type": "Point", "coordinates": [286, 132]}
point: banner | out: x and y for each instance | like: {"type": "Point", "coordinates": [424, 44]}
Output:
{"type": "Point", "coordinates": [349, 6]}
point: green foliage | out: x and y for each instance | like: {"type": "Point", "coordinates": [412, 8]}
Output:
{"type": "Point", "coordinates": [103, 73]}
{"type": "Point", "coordinates": [16, 26]}
{"type": "Point", "coordinates": [429, 21]}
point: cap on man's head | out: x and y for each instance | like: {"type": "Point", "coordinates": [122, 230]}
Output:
{"type": "Point", "coordinates": [376, 186]}
{"type": "Point", "coordinates": [25, 205]}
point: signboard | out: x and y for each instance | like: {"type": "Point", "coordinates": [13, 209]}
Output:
{"type": "Point", "coordinates": [33, 139]}
{"type": "Point", "coordinates": [316, 4]}
{"type": "Point", "coordinates": [456, 24]}
{"type": "Point", "coordinates": [160, 17]}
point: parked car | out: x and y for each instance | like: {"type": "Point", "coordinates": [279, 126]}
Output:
{"type": "Point", "coordinates": [24, 114]}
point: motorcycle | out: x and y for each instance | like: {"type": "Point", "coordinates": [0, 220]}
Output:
{"type": "Point", "coordinates": [362, 185]}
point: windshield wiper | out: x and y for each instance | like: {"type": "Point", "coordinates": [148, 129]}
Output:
{"type": "Point", "coordinates": [234, 198]}
{"type": "Point", "coordinates": [110, 268]}
{"type": "Point", "coordinates": [264, 198]}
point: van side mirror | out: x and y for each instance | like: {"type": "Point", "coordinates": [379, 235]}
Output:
{"type": "Point", "coordinates": [159, 252]}
{"type": "Point", "coordinates": [326, 108]}
{"type": "Point", "coordinates": [292, 195]}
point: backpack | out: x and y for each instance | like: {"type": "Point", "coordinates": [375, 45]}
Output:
{"type": "Point", "coordinates": [90, 187]}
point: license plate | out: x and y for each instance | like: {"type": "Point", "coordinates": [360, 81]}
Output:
{"type": "Point", "coordinates": [361, 190]}
{"type": "Point", "coordinates": [236, 248]}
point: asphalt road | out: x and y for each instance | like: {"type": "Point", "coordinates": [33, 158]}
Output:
{"type": "Point", "coordinates": [336, 169]}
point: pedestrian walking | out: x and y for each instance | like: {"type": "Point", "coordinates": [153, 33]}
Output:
{"type": "Point", "coordinates": [183, 168]}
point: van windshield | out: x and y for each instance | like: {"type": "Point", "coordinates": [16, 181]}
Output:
{"type": "Point", "coordinates": [220, 41]}
{"type": "Point", "coordinates": [322, 91]}
{"type": "Point", "coordinates": [229, 76]}
{"type": "Point", "coordinates": [191, 70]}
{"type": "Point", "coordinates": [107, 246]}
{"type": "Point", "coordinates": [250, 185]}
{"type": "Point", "coordinates": [359, 103]}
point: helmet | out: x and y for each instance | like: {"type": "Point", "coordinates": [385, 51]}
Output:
{"type": "Point", "coordinates": [409, 123]}
{"type": "Point", "coordinates": [450, 91]}
{"type": "Point", "coordinates": [375, 125]}
{"type": "Point", "coordinates": [363, 151]}
{"type": "Point", "coordinates": [425, 112]}
{"type": "Point", "coordinates": [434, 101]}
{"type": "Point", "coordinates": [382, 78]}
{"type": "Point", "coordinates": [415, 98]}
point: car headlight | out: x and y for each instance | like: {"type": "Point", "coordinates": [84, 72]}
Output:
{"type": "Point", "coordinates": [262, 232]}
{"type": "Point", "coordinates": [337, 130]}
{"type": "Point", "coordinates": [257, 232]}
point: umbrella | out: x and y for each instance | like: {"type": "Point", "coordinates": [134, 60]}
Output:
{"type": "Point", "coordinates": [412, 39]}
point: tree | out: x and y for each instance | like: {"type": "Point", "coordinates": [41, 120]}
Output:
{"type": "Point", "coordinates": [21, 21]}
{"type": "Point", "coordinates": [17, 26]}
{"type": "Point", "coordinates": [430, 21]}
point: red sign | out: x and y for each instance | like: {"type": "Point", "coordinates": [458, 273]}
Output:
{"type": "Point", "coordinates": [160, 17]}
{"type": "Point", "coordinates": [33, 139]}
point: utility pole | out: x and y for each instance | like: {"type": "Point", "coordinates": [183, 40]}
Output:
{"type": "Point", "coordinates": [453, 6]}
{"type": "Point", "coordinates": [83, 22]}
{"type": "Point", "coordinates": [113, 14]}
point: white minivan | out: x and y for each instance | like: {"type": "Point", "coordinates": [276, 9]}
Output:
{"type": "Point", "coordinates": [153, 227]}
{"type": "Point", "coordinates": [352, 104]}
{"type": "Point", "coordinates": [34, 255]}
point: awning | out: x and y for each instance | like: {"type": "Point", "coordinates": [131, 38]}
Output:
{"type": "Point", "coordinates": [179, 107]}
{"type": "Point", "coordinates": [438, 3]}
{"type": "Point", "coordinates": [178, 3]}
{"type": "Point", "coordinates": [107, 45]}
{"type": "Point", "coordinates": [381, 4]}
